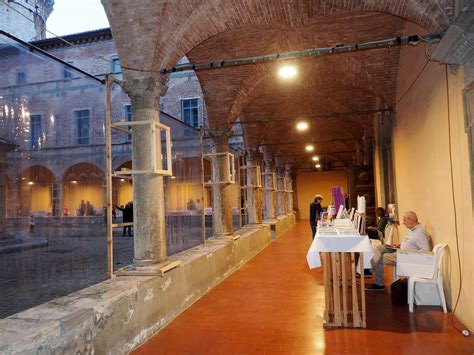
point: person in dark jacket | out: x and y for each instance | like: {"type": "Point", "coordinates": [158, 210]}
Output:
{"type": "Point", "coordinates": [127, 212]}
{"type": "Point", "coordinates": [315, 211]}
{"type": "Point", "coordinates": [382, 218]}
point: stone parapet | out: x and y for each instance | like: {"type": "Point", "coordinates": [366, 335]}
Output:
{"type": "Point", "coordinates": [117, 315]}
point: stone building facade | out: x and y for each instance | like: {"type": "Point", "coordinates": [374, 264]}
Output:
{"type": "Point", "coordinates": [55, 116]}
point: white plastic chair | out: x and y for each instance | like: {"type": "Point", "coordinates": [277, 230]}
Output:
{"type": "Point", "coordinates": [436, 278]}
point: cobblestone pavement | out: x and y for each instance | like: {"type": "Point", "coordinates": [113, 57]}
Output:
{"type": "Point", "coordinates": [31, 277]}
{"type": "Point", "coordinates": [75, 258]}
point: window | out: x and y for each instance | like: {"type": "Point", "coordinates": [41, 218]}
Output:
{"type": "Point", "coordinates": [190, 112]}
{"type": "Point", "coordinates": [67, 72]}
{"type": "Point", "coordinates": [20, 77]}
{"type": "Point", "coordinates": [115, 68]}
{"type": "Point", "coordinates": [35, 131]}
{"type": "Point", "coordinates": [82, 119]}
{"type": "Point", "coordinates": [127, 114]}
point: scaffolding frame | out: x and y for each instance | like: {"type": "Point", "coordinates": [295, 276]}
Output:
{"type": "Point", "coordinates": [273, 179]}
{"type": "Point", "coordinates": [258, 175]}
{"type": "Point", "coordinates": [156, 128]}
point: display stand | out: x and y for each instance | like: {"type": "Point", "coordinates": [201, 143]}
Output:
{"type": "Point", "coordinates": [344, 298]}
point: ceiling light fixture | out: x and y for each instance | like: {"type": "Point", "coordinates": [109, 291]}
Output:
{"type": "Point", "coordinates": [302, 126]}
{"type": "Point", "coordinates": [287, 72]}
{"type": "Point", "coordinates": [309, 148]}
{"type": "Point", "coordinates": [315, 158]}
{"type": "Point", "coordinates": [317, 166]}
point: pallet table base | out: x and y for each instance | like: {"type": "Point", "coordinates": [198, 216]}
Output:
{"type": "Point", "coordinates": [345, 300]}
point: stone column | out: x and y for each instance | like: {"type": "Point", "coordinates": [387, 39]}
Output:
{"type": "Point", "coordinates": [254, 196]}
{"type": "Point", "coordinates": [148, 194]}
{"type": "Point", "coordinates": [289, 187]}
{"type": "Point", "coordinates": [58, 197]}
{"type": "Point", "coordinates": [281, 204]}
{"type": "Point", "coordinates": [270, 200]}
{"type": "Point", "coordinates": [221, 193]}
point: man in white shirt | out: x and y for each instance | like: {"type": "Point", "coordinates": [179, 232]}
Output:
{"type": "Point", "coordinates": [417, 239]}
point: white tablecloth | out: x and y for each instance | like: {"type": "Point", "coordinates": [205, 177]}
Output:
{"type": "Point", "coordinates": [350, 243]}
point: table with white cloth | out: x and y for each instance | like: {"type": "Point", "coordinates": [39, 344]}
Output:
{"type": "Point", "coordinates": [344, 298]}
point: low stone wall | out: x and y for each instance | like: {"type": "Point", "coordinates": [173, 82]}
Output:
{"type": "Point", "coordinates": [115, 316]}
{"type": "Point", "coordinates": [281, 224]}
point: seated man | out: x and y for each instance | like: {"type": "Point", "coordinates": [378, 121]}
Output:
{"type": "Point", "coordinates": [416, 239]}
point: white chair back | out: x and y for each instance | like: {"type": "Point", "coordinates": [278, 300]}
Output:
{"type": "Point", "coordinates": [438, 251]}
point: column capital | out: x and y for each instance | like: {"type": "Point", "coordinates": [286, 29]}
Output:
{"type": "Point", "coordinates": [220, 137]}
{"type": "Point", "coordinates": [252, 154]}
{"type": "Point", "coordinates": [144, 93]}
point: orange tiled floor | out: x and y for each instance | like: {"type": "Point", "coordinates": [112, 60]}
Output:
{"type": "Point", "coordinates": [274, 304]}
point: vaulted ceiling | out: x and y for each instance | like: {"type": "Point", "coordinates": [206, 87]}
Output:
{"type": "Point", "coordinates": [154, 35]}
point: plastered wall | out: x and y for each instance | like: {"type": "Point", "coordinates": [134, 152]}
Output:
{"type": "Point", "coordinates": [428, 180]}
{"type": "Point", "coordinates": [310, 184]}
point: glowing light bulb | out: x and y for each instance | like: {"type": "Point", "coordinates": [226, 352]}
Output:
{"type": "Point", "coordinates": [309, 148]}
{"type": "Point", "coordinates": [317, 166]}
{"type": "Point", "coordinates": [302, 126]}
{"type": "Point", "coordinates": [287, 72]}
{"type": "Point", "coordinates": [315, 158]}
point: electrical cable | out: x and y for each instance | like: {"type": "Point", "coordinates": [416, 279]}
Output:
{"type": "Point", "coordinates": [454, 204]}
{"type": "Point", "coordinates": [413, 83]}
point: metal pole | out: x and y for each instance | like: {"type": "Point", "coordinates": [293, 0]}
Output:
{"type": "Point", "coordinates": [203, 188]}
{"type": "Point", "coordinates": [108, 162]}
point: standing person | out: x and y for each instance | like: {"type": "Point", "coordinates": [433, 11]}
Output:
{"type": "Point", "coordinates": [32, 224]}
{"type": "Point", "coordinates": [82, 208]}
{"type": "Point", "coordinates": [88, 209]}
{"type": "Point", "coordinates": [127, 213]}
{"type": "Point", "coordinates": [315, 211]}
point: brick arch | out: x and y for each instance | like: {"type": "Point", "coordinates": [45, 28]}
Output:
{"type": "Point", "coordinates": [119, 162]}
{"type": "Point", "coordinates": [29, 171]}
{"type": "Point", "coordinates": [65, 167]}
{"type": "Point", "coordinates": [210, 18]}
{"type": "Point", "coordinates": [77, 169]}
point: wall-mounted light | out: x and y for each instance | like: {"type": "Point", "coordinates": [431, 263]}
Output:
{"type": "Point", "coordinates": [30, 183]}
{"type": "Point", "coordinates": [315, 158]}
{"type": "Point", "coordinates": [173, 177]}
{"type": "Point", "coordinates": [309, 148]}
{"type": "Point", "coordinates": [302, 126]}
{"type": "Point", "coordinates": [73, 182]}
{"type": "Point", "coordinates": [287, 71]}
{"type": "Point", "coordinates": [122, 180]}
{"type": "Point", "coordinates": [317, 166]}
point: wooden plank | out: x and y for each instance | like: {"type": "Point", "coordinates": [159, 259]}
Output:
{"type": "Point", "coordinates": [336, 290]}
{"type": "Point", "coordinates": [327, 288]}
{"type": "Point", "coordinates": [362, 289]}
{"type": "Point", "coordinates": [355, 301]}
{"type": "Point", "coordinates": [169, 267]}
{"type": "Point", "coordinates": [345, 286]}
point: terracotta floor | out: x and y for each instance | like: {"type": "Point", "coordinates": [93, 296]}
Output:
{"type": "Point", "coordinates": [274, 305]}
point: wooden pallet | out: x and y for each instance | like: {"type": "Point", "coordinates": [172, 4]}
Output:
{"type": "Point", "coordinates": [344, 298]}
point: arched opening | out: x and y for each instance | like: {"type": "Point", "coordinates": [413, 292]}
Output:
{"type": "Point", "coordinates": [83, 189]}
{"type": "Point", "coordinates": [122, 191]}
{"type": "Point", "coordinates": [35, 191]}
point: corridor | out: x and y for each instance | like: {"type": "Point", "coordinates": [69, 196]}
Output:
{"type": "Point", "coordinates": [274, 305]}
